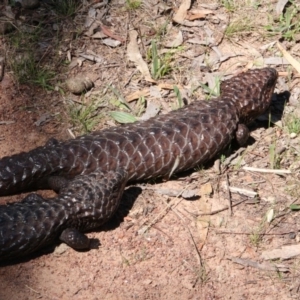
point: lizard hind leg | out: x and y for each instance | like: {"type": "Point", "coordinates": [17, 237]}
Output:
{"type": "Point", "coordinates": [93, 200]}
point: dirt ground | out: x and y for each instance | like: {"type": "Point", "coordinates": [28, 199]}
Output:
{"type": "Point", "coordinates": [175, 239]}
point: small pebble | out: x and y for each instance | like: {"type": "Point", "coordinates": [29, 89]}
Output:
{"type": "Point", "coordinates": [292, 235]}
{"type": "Point", "coordinates": [60, 249]}
{"type": "Point", "coordinates": [293, 135]}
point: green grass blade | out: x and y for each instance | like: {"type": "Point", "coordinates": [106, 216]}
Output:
{"type": "Point", "coordinates": [122, 117]}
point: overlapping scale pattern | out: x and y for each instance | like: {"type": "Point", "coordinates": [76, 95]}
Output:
{"type": "Point", "coordinates": [96, 167]}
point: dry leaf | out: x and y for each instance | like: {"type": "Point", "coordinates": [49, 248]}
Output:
{"type": "Point", "coordinates": [206, 189]}
{"type": "Point", "coordinates": [151, 111]}
{"type": "Point", "coordinates": [201, 11]}
{"type": "Point", "coordinates": [188, 194]}
{"type": "Point", "coordinates": [90, 17]}
{"type": "Point", "coordinates": [155, 92]}
{"type": "Point", "coordinates": [168, 86]}
{"type": "Point", "coordinates": [92, 29]}
{"type": "Point", "coordinates": [201, 41]}
{"type": "Point", "coordinates": [275, 61]}
{"type": "Point", "coordinates": [188, 23]}
{"type": "Point", "coordinates": [195, 17]}
{"type": "Point", "coordinates": [270, 215]}
{"type": "Point", "coordinates": [280, 6]}
{"type": "Point", "coordinates": [285, 252]}
{"type": "Point", "coordinates": [135, 56]}
{"type": "Point", "coordinates": [111, 43]}
{"type": "Point", "coordinates": [44, 118]}
{"type": "Point", "coordinates": [109, 33]}
{"type": "Point", "coordinates": [264, 266]}
{"type": "Point", "coordinates": [99, 35]}
{"type": "Point", "coordinates": [136, 95]}
{"type": "Point", "coordinates": [175, 39]}
{"type": "Point", "coordinates": [181, 14]}
{"type": "Point", "coordinates": [91, 57]}
{"type": "Point", "coordinates": [245, 192]}
{"type": "Point", "coordinates": [289, 57]}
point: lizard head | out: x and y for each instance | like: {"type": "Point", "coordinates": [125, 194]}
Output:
{"type": "Point", "coordinates": [250, 92]}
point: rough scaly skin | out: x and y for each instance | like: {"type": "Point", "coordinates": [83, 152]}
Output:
{"type": "Point", "coordinates": [100, 164]}
{"type": "Point", "coordinates": [83, 204]}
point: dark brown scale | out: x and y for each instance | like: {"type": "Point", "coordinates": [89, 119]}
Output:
{"type": "Point", "coordinates": [91, 171]}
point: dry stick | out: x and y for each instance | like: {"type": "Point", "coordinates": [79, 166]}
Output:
{"type": "Point", "coordinates": [33, 290]}
{"type": "Point", "coordinates": [108, 66]}
{"type": "Point", "coordinates": [2, 68]}
{"type": "Point", "coordinates": [162, 231]}
{"type": "Point", "coordinates": [141, 38]}
{"type": "Point", "coordinates": [233, 156]}
{"type": "Point", "coordinates": [157, 190]}
{"type": "Point", "coordinates": [250, 233]}
{"type": "Point", "coordinates": [274, 224]}
{"type": "Point", "coordinates": [261, 176]}
{"type": "Point", "coordinates": [130, 77]}
{"type": "Point", "coordinates": [112, 281]}
{"type": "Point", "coordinates": [250, 151]}
{"type": "Point", "coordinates": [222, 209]}
{"type": "Point", "coordinates": [39, 294]}
{"type": "Point", "coordinates": [274, 171]}
{"type": "Point", "coordinates": [229, 195]}
{"type": "Point", "coordinates": [6, 122]}
{"type": "Point", "coordinates": [44, 54]}
{"type": "Point", "coordinates": [78, 102]}
{"type": "Point", "coordinates": [195, 245]}
{"type": "Point", "coordinates": [129, 21]}
{"type": "Point", "coordinates": [164, 211]}
{"type": "Point", "coordinates": [294, 148]}
{"type": "Point", "coordinates": [256, 154]}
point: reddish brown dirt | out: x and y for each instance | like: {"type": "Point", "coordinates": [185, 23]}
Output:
{"type": "Point", "coordinates": [162, 263]}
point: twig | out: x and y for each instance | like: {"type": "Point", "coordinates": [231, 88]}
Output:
{"type": "Point", "coordinates": [6, 122]}
{"type": "Point", "coordinates": [264, 178]}
{"type": "Point", "coordinates": [78, 102]}
{"type": "Point", "coordinates": [130, 77]}
{"type": "Point", "coordinates": [229, 194]}
{"type": "Point", "coordinates": [109, 66]}
{"type": "Point", "coordinates": [244, 192]}
{"type": "Point", "coordinates": [2, 68]}
{"type": "Point", "coordinates": [33, 290]}
{"type": "Point", "coordinates": [142, 230]}
{"type": "Point", "coordinates": [195, 245]}
{"type": "Point", "coordinates": [91, 57]}
{"type": "Point", "coordinates": [261, 266]}
{"type": "Point", "coordinates": [274, 171]}
{"type": "Point", "coordinates": [279, 217]}
{"type": "Point", "coordinates": [70, 132]}
{"type": "Point", "coordinates": [229, 159]}
{"type": "Point", "coordinates": [222, 209]}
{"type": "Point", "coordinates": [250, 233]}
